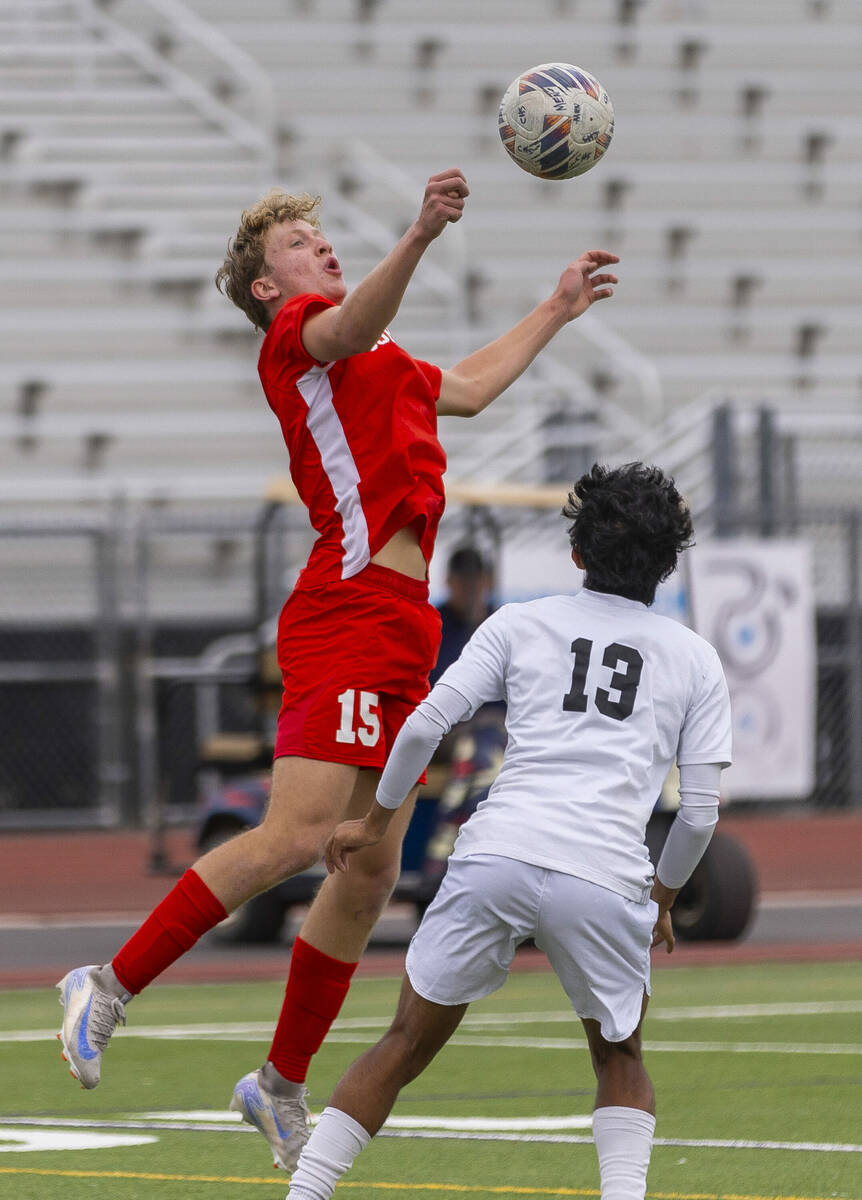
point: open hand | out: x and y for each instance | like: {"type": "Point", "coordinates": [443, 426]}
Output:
{"type": "Point", "coordinates": [580, 287]}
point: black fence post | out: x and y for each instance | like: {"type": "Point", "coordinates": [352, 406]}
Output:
{"type": "Point", "coordinates": [767, 482]}
{"type": "Point", "coordinates": [854, 649]}
{"type": "Point", "coordinates": [723, 474]}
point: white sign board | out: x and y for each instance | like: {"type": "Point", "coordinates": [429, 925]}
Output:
{"type": "Point", "coordinates": [753, 600]}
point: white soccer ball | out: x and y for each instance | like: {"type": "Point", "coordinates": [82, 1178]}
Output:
{"type": "Point", "coordinates": [556, 121]}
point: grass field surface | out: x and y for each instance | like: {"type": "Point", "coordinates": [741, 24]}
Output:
{"type": "Point", "coordinates": [758, 1074]}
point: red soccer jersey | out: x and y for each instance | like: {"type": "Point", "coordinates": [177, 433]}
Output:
{"type": "Point", "coordinates": [362, 437]}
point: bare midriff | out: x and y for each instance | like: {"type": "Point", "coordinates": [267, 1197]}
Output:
{"type": "Point", "coordinates": [403, 554]}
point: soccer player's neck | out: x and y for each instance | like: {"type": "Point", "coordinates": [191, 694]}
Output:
{"type": "Point", "coordinates": [593, 585]}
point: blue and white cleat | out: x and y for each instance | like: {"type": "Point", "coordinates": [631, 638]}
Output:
{"type": "Point", "coordinates": [91, 1015]}
{"type": "Point", "coordinates": [284, 1121]}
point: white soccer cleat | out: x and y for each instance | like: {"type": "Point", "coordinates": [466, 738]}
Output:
{"type": "Point", "coordinates": [284, 1121]}
{"type": "Point", "coordinates": [91, 1015]}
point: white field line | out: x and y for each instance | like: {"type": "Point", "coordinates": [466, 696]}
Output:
{"type": "Point", "coordinates": [252, 1030]}
{"type": "Point", "coordinates": [802, 1008]}
{"type": "Point", "coordinates": [657, 1047]}
{"type": "Point", "coordinates": [575, 1139]}
{"type": "Point", "coordinates": [687, 1013]}
{"type": "Point", "coordinates": [463, 1128]}
{"type": "Point", "coordinates": [790, 900]}
{"type": "Point", "coordinates": [11, 922]}
{"type": "Point", "coordinates": [468, 1124]}
{"type": "Point", "coordinates": [840, 898]}
{"type": "Point", "coordinates": [187, 1033]}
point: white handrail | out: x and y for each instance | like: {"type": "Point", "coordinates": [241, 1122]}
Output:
{"type": "Point", "coordinates": [257, 134]}
{"type": "Point", "coordinates": [628, 360]}
{"type": "Point", "coordinates": [244, 67]}
{"type": "Point", "coordinates": [548, 375]}
{"type": "Point", "coordinates": [453, 247]}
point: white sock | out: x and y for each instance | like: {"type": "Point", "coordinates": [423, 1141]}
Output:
{"type": "Point", "coordinates": [623, 1138]}
{"type": "Point", "coordinates": [107, 979]}
{"type": "Point", "coordinates": [328, 1153]}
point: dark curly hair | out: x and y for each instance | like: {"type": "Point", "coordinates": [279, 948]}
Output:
{"type": "Point", "coordinates": [629, 525]}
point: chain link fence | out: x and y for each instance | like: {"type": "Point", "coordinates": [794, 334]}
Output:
{"type": "Point", "coordinates": [104, 629]}
{"type": "Point", "coordinates": [129, 644]}
{"type": "Point", "coordinates": [60, 673]}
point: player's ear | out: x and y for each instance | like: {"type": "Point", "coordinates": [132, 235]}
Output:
{"type": "Point", "coordinates": [264, 289]}
{"type": "Point", "coordinates": [576, 558]}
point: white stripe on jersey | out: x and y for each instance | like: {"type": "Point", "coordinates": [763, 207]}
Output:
{"type": "Point", "coordinates": [339, 466]}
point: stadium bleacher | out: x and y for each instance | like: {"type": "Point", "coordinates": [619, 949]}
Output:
{"type": "Point", "coordinates": [131, 136]}
{"type": "Point", "coordinates": [731, 192]}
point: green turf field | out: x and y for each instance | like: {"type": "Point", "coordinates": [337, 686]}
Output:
{"type": "Point", "coordinates": [758, 1073]}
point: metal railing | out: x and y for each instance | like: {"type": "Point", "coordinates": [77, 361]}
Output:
{"type": "Point", "coordinates": [91, 665]}
{"type": "Point", "coordinates": [104, 715]}
{"type": "Point", "coordinates": [240, 79]}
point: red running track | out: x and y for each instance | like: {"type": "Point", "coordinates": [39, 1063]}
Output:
{"type": "Point", "coordinates": [87, 875]}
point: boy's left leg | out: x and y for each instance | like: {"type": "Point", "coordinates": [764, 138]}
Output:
{"type": "Point", "coordinates": [326, 951]}
{"type": "Point", "coordinates": [333, 937]}
{"type": "Point", "coordinates": [624, 1115]}
{"type": "Point", "coordinates": [599, 944]}
{"type": "Point", "coordinates": [364, 1096]}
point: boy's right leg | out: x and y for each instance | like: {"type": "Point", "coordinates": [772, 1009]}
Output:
{"type": "Point", "coordinates": [420, 1029]}
{"type": "Point", "coordinates": [364, 1096]}
{"type": "Point", "coordinates": [307, 800]}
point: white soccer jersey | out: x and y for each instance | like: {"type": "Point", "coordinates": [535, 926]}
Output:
{"type": "Point", "coordinates": [602, 695]}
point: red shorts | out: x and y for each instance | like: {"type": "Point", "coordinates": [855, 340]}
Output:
{"type": "Point", "coordinates": [354, 656]}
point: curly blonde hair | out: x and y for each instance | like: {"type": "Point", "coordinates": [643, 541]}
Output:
{"type": "Point", "coordinates": [246, 257]}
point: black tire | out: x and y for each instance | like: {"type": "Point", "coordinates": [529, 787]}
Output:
{"type": "Point", "coordinates": [259, 920]}
{"type": "Point", "coordinates": [717, 903]}
{"type": "Point", "coordinates": [657, 830]}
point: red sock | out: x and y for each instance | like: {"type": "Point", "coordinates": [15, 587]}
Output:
{"type": "Point", "coordinates": [316, 987]}
{"type": "Point", "coordinates": [189, 910]}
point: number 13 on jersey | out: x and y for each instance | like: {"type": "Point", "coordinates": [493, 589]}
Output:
{"type": "Point", "coordinates": [624, 682]}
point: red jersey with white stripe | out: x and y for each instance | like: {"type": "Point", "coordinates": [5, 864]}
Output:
{"type": "Point", "coordinates": [362, 437]}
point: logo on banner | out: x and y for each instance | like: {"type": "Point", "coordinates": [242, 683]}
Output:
{"type": "Point", "coordinates": [752, 600]}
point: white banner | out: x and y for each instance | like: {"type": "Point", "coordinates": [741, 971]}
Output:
{"type": "Point", "coordinates": [753, 600]}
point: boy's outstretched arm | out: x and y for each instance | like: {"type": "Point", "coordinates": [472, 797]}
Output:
{"type": "Point", "coordinates": [473, 383]}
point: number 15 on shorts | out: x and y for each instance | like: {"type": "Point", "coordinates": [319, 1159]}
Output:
{"type": "Point", "coordinates": [364, 724]}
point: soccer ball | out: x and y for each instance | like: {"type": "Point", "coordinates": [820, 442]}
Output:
{"type": "Point", "coordinates": [556, 121]}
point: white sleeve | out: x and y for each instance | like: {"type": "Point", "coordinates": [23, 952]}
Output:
{"type": "Point", "coordinates": [692, 826]}
{"type": "Point", "coordinates": [417, 740]}
{"type": "Point", "coordinates": [480, 671]}
{"type": "Point", "coordinates": [706, 733]}
{"type": "Point", "coordinates": [476, 677]}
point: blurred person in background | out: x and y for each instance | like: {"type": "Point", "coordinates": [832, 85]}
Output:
{"type": "Point", "coordinates": [469, 589]}
{"type": "Point", "coordinates": [602, 695]}
{"type": "Point", "coordinates": [471, 752]}
{"type": "Point", "coordinates": [357, 636]}
{"type": "Point", "coordinates": [468, 602]}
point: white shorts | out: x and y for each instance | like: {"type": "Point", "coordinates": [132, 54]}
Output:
{"type": "Point", "coordinates": [597, 941]}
